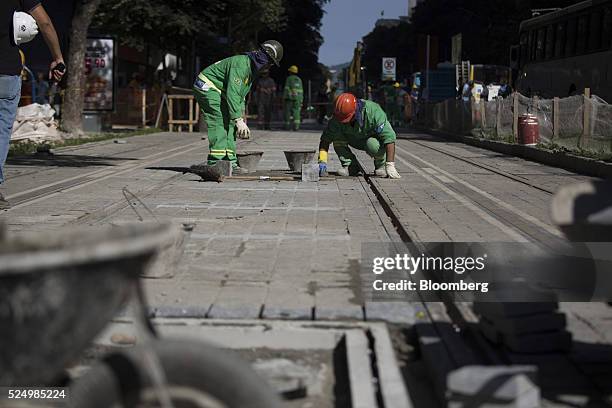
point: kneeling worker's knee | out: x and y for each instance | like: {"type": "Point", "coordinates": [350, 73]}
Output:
{"type": "Point", "coordinates": [373, 147]}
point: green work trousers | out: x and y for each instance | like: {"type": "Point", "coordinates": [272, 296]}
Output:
{"type": "Point", "coordinates": [221, 130]}
{"type": "Point", "coordinates": [293, 109]}
{"type": "Point", "coordinates": [371, 146]}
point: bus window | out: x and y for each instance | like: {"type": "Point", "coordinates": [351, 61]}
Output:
{"type": "Point", "coordinates": [570, 43]}
{"type": "Point", "coordinates": [606, 31]}
{"type": "Point", "coordinates": [582, 34]}
{"type": "Point", "coordinates": [540, 44]}
{"type": "Point", "coordinates": [595, 31]}
{"type": "Point", "coordinates": [550, 42]}
{"type": "Point", "coordinates": [560, 39]}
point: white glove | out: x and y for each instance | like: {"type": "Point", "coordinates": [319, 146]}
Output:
{"type": "Point", "coordinates": [392, 171]}
{"type": "Point", "coordinates": [242, 130]}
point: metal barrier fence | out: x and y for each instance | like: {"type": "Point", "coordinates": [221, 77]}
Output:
{"type": "Point", "coordinates": [580, 122]}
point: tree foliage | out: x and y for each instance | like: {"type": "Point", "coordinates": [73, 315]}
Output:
{"type": "Point", "coordinates": [168, 24]}
{"type": "Point", "coordinates": [301, 38]}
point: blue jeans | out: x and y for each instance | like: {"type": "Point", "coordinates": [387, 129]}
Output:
{"type": "Point", "coordinates": [10, 92]}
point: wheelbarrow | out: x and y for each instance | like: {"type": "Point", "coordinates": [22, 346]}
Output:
{"type": "Point", "coordinates": [59, 290]}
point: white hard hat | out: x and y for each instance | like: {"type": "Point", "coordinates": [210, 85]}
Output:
{"type": "Point", "coordinates": [24, 28]}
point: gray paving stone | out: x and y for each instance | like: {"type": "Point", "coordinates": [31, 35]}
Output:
{"type": "Point", "coordinates": [494, 386]}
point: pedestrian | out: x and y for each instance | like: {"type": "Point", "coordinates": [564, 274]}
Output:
{"type": "Point", "coordinates": [42, 89]}
{"type": "Point", "coordinates": [363, 125]}
{"type": "Point", "coordinates": [221, 89]}
{"type": "Point", "coordinates": [30, 17]}
{"type": "Point", "coordinates": [323, 96]}
{"type": "Point", "coordinates": [466, 92]}
{"type": "Point", "coordinates": [266, 90]}
{"type": "Point", "coordinates": [505, 90]}
{"type": "Point", "coordinates": [400, 103]}
{"type": "Point", "coordinates": [293, 97]}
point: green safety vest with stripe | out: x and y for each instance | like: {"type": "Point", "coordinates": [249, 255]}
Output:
{"type": "Point", "coordinates": [233, 78]}
{"type": "Point", "coordinates": [294, 91]}
{"type": "Point", "coordinates": [370, 121]}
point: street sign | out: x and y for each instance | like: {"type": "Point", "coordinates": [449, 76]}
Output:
{"type": "Point", "coordinates": [388, 69]}
{"type": "Point", "coordinates": [100, 74]}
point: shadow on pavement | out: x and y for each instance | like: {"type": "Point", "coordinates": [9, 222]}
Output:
{"type": "Point", "coordinates": [64, 160]}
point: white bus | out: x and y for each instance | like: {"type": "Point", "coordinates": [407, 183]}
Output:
{"type": "Point", "coordinates": [565, 51]}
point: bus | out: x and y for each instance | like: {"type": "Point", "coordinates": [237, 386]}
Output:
{"type": "Point", "coordinates": [563, 52]}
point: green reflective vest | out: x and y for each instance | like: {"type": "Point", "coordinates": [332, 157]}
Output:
{"type": "Point", "coordinates": [294, 90]}
{"type": "Point", "coordinates": [233, 76]}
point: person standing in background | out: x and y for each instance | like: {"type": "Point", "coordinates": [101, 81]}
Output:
{"type": "Point", "coordinates": [266, 90]}
{"type": "Point", "coordinates": [293, 96]}
{"type": "Point", "coordinates": [11, 66]}
{"type": "Point", "coordinates": [42, 89]}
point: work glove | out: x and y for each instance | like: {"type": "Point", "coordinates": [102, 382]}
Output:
{"type": "Point", "coordinates": [322, 169]}
{"type": "Point", "coordinates": [242, 130]}
{"type": "Point", "coordinates": [392, 171]}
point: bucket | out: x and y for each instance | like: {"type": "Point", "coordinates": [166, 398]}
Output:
{"type": "Point", "coordinates": [295, 158]}
{"type": "Point", "coordinates": [249, 160]}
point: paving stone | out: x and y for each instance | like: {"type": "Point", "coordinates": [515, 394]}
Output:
{"type": "Point", "coordinates": [515, 309]}
{"type": "Point", "coordinates": [400, 312]}
{"type": "Point", "coordinates": [493, 386]}
{"type": "Point", "coordinates": [530, 324]}
{"type": "Point", "coordinates": [310, 172]}
{"type": "Point", "coordinates": [556, 341]}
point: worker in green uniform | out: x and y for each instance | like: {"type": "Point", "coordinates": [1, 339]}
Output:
{"type": "Point", "coordinates": [363, 125]}
{"type": "Point", "coordinates": [293, 96]}
{"type": "Point", "coordinates": [220, 90]}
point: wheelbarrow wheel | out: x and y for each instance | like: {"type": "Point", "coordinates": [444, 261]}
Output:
{"type": "Point", "coordinates": [193, 371]}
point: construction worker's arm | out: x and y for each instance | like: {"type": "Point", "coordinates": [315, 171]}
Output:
{"type": "Point", "coordinates": [327, 138]}
{"type": "Point", "coordinates": [50, 35]}
{"type": "Point", "coordinates": [386, 134]}
{"type": "Point", "coordinates": [234, 88]}
{"type": "Point", "coordinates": [300, 91]}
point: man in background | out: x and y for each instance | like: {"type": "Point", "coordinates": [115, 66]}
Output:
{"type": "Point", "coordinates": [42, 89]}
{"type": "Point", "coordinates": [266, 89]}
{"type": "Point", "coordinates": [293, 96]}
{"type": "Point", "coordinates": [11, 66]}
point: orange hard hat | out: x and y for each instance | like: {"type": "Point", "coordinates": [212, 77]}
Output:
{"type": "Point", "coordinates": [346, 104]}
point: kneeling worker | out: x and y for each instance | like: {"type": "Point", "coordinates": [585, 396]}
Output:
{"type": "Point", "coordinates": [220, 90]}
{"type": "Point", "coordinates": [363, 125]}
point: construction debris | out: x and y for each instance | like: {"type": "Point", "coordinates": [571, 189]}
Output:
{"type": "Point", "coordinates": [36, 123]}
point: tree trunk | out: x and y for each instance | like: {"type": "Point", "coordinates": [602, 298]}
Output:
{"type": "Point", "coordinates": [72, 120]}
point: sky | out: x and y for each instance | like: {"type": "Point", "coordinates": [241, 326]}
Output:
{"type": "Point", "coordinates": [346, 21]}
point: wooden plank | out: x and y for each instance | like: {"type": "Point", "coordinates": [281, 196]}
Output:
{"type": "Point", "coordinates": [180, 96]}
{"type": "Point", "coordinates": [191, 121]}
{"type": "Point", "coordinates": [182, 122]}
{"type": "Point", "coordinates": [556, 117]}
{"type": "Point", "coordinates": [515, 116]}
{"type": "Point", "coordinates": [170, 114]}
{"type": "Point", "coordinates": [586, 116]}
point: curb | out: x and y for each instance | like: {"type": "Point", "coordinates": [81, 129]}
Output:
{"type": "Point", "coordinates": [567, 161]}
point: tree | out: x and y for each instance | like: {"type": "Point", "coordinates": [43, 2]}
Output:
{"type": "Point", "coordinates": [301, 39]}
{"type": "Point", "coordinates": [169, 24]}
{"type": "Point", "coordinates": [72, 120]}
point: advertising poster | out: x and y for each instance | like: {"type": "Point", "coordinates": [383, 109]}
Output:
{"type": "Point", "coordinates": [99, 74]}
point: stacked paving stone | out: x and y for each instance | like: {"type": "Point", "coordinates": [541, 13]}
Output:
{"type": "Point", "coordinates": [524, 327]}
